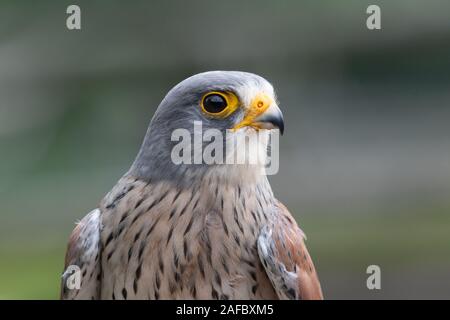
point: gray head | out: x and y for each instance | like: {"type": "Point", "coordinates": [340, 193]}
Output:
{"type": "Point", "coordinates": [227, 101]}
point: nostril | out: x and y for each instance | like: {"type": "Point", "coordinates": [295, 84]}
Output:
{"type": "Point", "coordinates": [260, 104]}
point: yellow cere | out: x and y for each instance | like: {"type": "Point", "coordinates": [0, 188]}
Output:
{"type": "Point", "coordinates": [258, 106]}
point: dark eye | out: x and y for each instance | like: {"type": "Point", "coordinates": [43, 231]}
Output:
{"type": "Point", "coordinates": [214, 103]}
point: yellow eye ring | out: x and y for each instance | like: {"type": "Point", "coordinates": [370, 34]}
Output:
{"type": "Point", "coordinates": [219, 104]}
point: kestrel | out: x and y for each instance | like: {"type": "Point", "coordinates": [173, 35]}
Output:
{"type": "Point", "coordinates": [195, 231]}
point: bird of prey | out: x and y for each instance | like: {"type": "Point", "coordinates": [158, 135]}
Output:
{"type": "Point", "coordinates": [171, 230]}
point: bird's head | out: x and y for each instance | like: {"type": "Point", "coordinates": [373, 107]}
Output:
{"type": "Point", "coordinates": [218, 106]}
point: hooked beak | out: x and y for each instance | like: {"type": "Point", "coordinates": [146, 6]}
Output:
{"type": "Point", "coordinates": [263, 113]}
{"type": "Point", "coordinates": [272, 118]}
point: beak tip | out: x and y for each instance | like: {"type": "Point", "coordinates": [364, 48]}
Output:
{"type": "Point", "coordinates": [270, 119]}
{"type": "Point", "coordinates": [280, 123]}
{"type": "Point", "coordinates": [276, 121]}
{"type": "Point", "coordinates": [281, 126]}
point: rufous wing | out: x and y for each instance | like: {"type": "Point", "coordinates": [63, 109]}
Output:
{"type": "Point", "coordinates": [283, 253]}
{"type": "Point", "coordinates": [81, 277]}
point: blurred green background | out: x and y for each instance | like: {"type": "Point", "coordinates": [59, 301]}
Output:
{"type": "Point", "coordinates": [365, 160]}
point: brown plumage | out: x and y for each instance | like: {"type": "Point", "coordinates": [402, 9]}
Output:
{"type": "Point", "coordinates": [222, 235]}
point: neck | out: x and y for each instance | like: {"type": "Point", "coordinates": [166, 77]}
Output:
{"type": "Point", "coordinates": [154, 163]}
{"type": "Point", "coordinates": [188, 175]}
